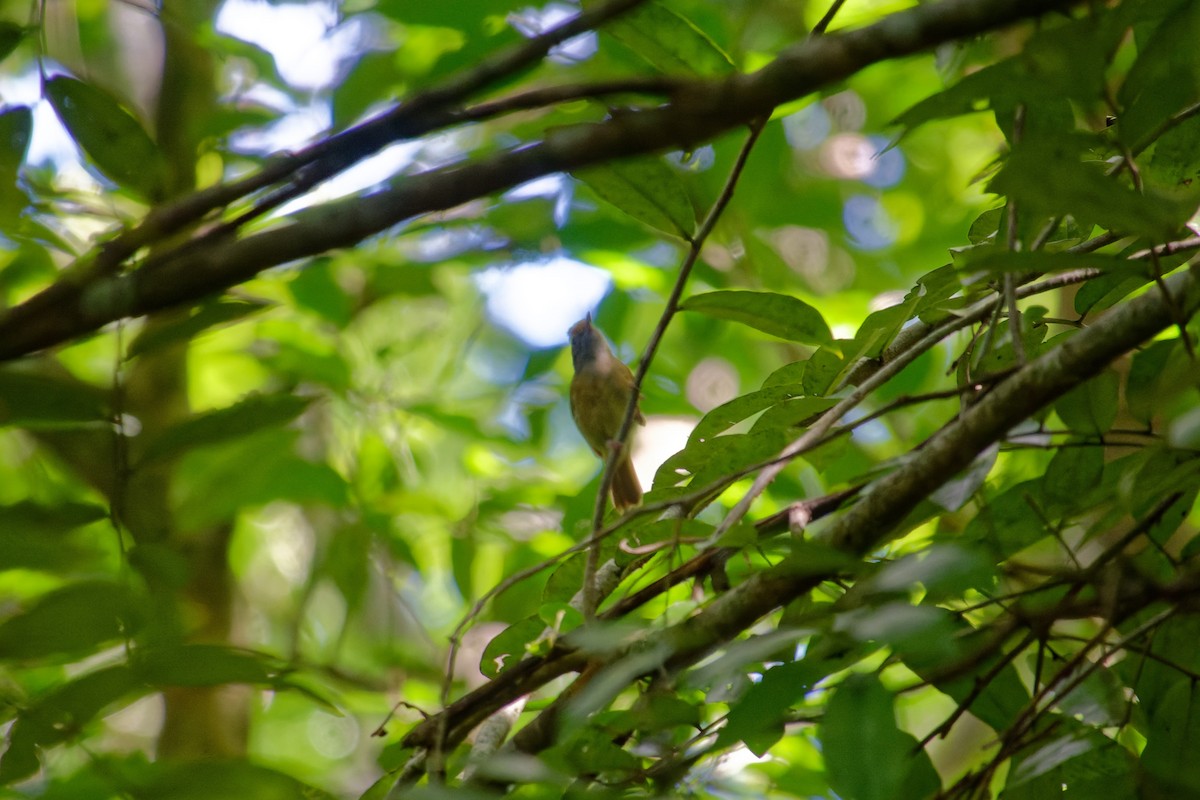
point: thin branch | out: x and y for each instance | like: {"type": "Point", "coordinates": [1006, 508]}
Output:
{"type": "Point", "coordinates": [422, 114]}
{"type": "Point", "coordinates": [554, 95]}
{"type": "Point", "coordinates": [87, 299]}
{"type": "Point", "coordinates": [1014, 245]}
{"type": "Point", "coordinates": [1178, 118]}
{"type": "Point", "coordinates": [869, 522]}
{"type": "Point", "coordinates": [825, 21]}
{"type": "Point", "coordinates": [590, 599]}
{"type": "Point", "coordinates": [978, 687]}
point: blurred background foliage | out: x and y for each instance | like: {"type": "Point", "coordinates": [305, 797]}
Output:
{"type": "Point", "coordinates": [237, 535]}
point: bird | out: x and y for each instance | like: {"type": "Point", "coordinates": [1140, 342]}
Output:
{"type": "Point", "coordinates": [600, 392]}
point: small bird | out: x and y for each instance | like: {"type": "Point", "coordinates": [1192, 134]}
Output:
{"type": "Point", "coordinates": [600, 392]}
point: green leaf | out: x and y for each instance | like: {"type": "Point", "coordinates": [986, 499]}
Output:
{"type": "Point", "coordinates": [1048, 178]}
{"type": "Point", "coordinates": [593, 749]}
{"type": "Point", "coordinates": [646, 189]}
{"type": "Point", "coordinates": [820, 371]}
{"type": "Point", "coordinates": [510, 645]}
{"type": "Point", "coordinates": [373, 79]}
{"type": "Point", "coordinates": [757, 718]}
{"type": "Point", "coordinates": [922, 632]}
{"type": "Point", "coordinates": [1072, 475]}
{"type": "Point", "coordinates": [216, 483]}
{"type": "Point", "coordinates": [1105, 769]}
{"type": "Point", "coordinates": [1183, 430]}
{"type": "Point", "coordinates": [308, 358]}
{"type": "Point", "coordinates": [790, 414]}
{"type": "Point", "coordinates": [1164, 79]}
{"type": "Point", "coordinates": [213, 779]}
{"type": "Point", "coordinates": [879, 329]}
{"type": "Point", "coordinates": [859, 724]}
{"type": "Point", "coordinates": [11, 35]}
{"type": "Point", "coordinates": [251, 415]}
{"type": "Point", "coordinates": [726, 415]}
{"type": "Point", "coordinates": [1001, 356]}
{"type": "Point", "coordinates": [955, 493]}
{"type": "Point", "coordinates": [466, 14]}
{"type": "Point", "coordinates": [1059, 63]}
{"type": "Point", "coordinates": [787, 374]}
{"type": "Point", "coordinates": [210, 315]}
{"type": "Point", "coordinates": [1000, 702]}
{"type": "Point", "coordinates": [943, 571]}
{"type": "Point", "coordinates": [971, 94]}
{"type": "Point", "coordinates": [443, 39]}
{"type": "Point", "coordinates": [566, 579]}
{"type": "Point", "coordinates": [666, 530]}
{"type": "Point", "coordinates": [1176, 157]}
{"type": "Point", "coordinates": [669, 42]}
{"type": "Point", "coordinates": [32, 517]}
{"type": "Point", "coordinates": [1098, 697]}
{"type": "Point", "coordinates": [1155, 377]}
{"type": "Point", "coordinates": [16, 129]}
{"type": "Point", "coordinates": [32, 535]}
{"type": "Point", "coordinates": [110, 135]}
{"type": "Point", "coordinates": [61, 715]}
{"type": "Point", "coordinates": [1000, 260]}
{"type": "Point", "coordinates": [1154, 678]}
{"type": "Point", "coordinates": [1173, 740]}
{"type": "Point", "coordinates": [31, 400]}
{"type": "Point", "coordinates": [1045, 757]}
{"type": "Point", "coordinates": [986, 226]}
{"type": "Point", "coordinates": [707, 460]}
{"type": "Point", "coordinates": [1090, 409]}
{"type": "Point", "coordinates": [203, 665]}
{"type": "Point", "coordinates": [539, 363]}
{"type": "Point", "coordinates": [315, 288]}
{"type": "Point", "coordinates": [72, 620]}
{"type": "Point", "coordinates": [663, 711]}
{"type": "Point", "coordinates": [1158, 473]}
{"type": "Point", "coordinates": [1106, 291]}
{"type": "Point", "coordinates": [776, 314]}
{"type": "Point", "coordinates": [1008, 522]}
{"type": "Point", "coordinates": [348, 563]}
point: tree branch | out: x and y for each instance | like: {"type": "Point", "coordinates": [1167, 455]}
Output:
{"type": "Point", "coordinates": [872, 520]}
{"type": "Point", "coordinates": [700, 111]}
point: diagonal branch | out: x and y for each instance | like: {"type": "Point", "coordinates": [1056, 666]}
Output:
{"type": "Point", "coordinates": [698, 112]}
{"type": "Point", "coordinates": [872, 521]}
{"type": "Point", "coordinates": [590, 590]}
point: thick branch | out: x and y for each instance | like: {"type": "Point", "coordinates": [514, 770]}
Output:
{"type": "Point", "coordinates": [872, 521]}
{"type": "Point", "coordinates": [698, 113]}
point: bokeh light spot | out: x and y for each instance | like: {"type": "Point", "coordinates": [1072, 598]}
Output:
{"type": "Point", "coordinates": [710, 383]}
{"type": "Point", "coordinates": [538, 302]}
{"type": "Point", "coordinates": [332, 737]}
{"type": "Point", "coordinates": [848, 155]}
{"type": "Point", "coordinates": [889, 165]}
{"type": "Point", "coordinates": [868, 223]}
{"type": "Point", "coordinates": [808, 127]}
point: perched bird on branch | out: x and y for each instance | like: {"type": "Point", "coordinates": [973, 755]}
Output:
{"type": "Point", "coordinates": [600, 392]}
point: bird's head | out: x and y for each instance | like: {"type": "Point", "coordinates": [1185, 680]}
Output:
{"type": "Point", "coordinates": [586, 342]}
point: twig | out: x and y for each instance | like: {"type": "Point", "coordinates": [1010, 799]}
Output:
{"type": "Point", "coordinates": [82, 302]}
{"type": "Point", "coordinates": [1014, 246]}
{"type": "Point", "coordinates": [590, 599]}
{"type": "Point", "coordinates": [308, 167]}
{"type": "Point", "coordinates": [825, 21]}
{"type": "Point", "coordinates": [867, 524]}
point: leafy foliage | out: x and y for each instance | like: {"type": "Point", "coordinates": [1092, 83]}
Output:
{"type": "Point", "coordinates": [283, 469]}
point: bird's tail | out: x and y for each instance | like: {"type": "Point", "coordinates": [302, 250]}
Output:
{"type": "Point", "coordinates": [626, 491]}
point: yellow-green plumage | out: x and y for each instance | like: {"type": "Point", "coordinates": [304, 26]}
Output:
{"type": "Point", "coordinates": [600, 392]}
